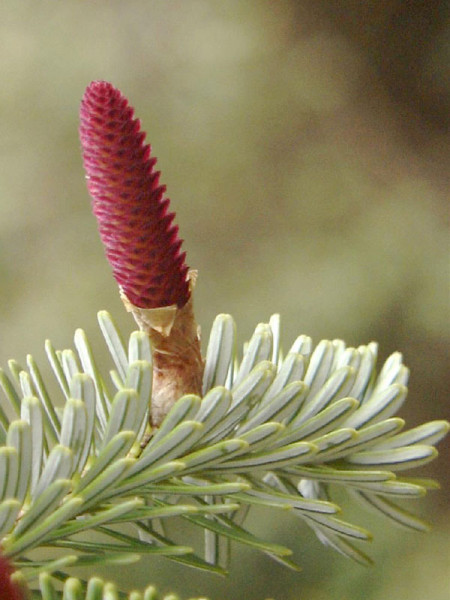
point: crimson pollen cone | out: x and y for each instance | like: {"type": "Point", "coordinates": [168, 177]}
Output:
{"type": "Point", "coordinates": [141, 242]}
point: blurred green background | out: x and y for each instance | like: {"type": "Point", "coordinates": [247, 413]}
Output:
{"type": "Point", "coordinates": [305, 149]}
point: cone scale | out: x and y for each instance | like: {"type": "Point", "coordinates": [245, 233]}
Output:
{"type": "Point", "coordinates": [141, 242]}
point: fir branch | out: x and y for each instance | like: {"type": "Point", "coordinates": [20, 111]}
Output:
{"type": "Point", "coordinates": [269, 431]}
{"type": "Point", "coordinates": [95, 588]}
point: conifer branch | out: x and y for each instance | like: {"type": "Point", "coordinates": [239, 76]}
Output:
{"type": "Point", "coordinates": [270, 430]}
{"type": "Point", "coordinates": [169, 435]}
